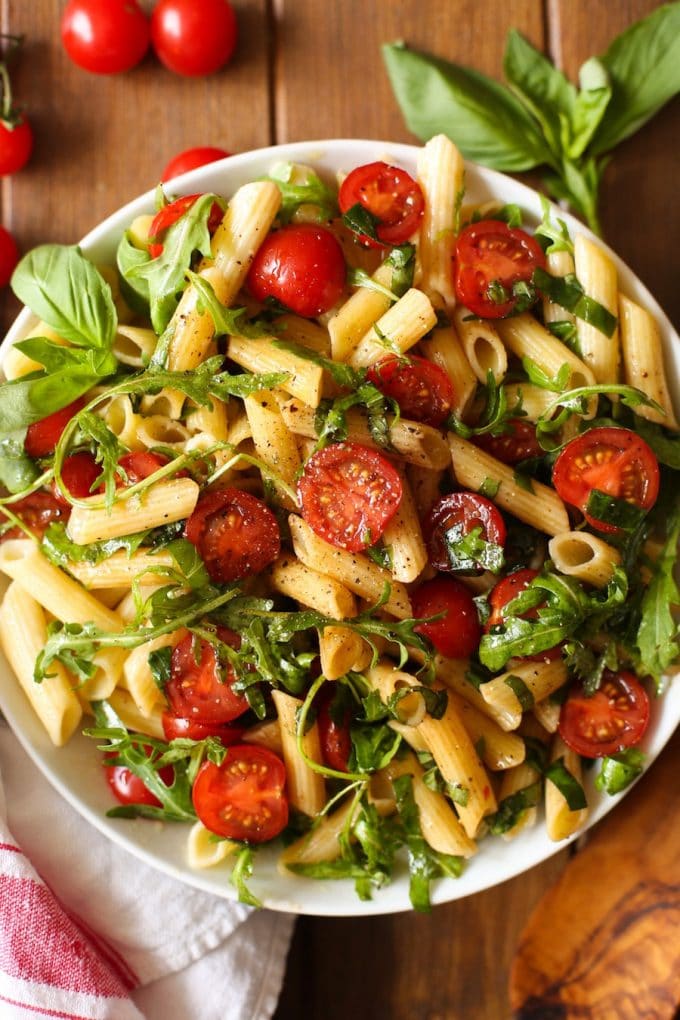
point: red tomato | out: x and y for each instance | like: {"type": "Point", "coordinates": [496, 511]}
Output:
{"type": "Point", "coordinates": [504, 591]}
{"type": "Point", "coordinates": [196, 690]}
{"type": "Point", "coordinates": [456, 635]}
{"type": "Point", "coordinates": [492, 252]}
{"type": "Point", "coordinates": [390, 195]}
{"type": "Point", "coordinates": [460, 513]}
{"type": "Point", "coordinates": [190, 159]}
{"type": "Point", "coordinates": [349, 494]}
{"type": "Point", "coordinates": [138, 466]}
{"type": "Point", "coordinates": [193, 38]}
{"type": "Point", "coordinates": [244, 797]}
{"type": "Point", "coordinates": [37, 511]}
{"type": "Point", "coordinates": [334, 734]}
{"type": "Point", "coordinates": [104, 36]}
{"type": "Point", "coordinates": [422, 389]}
{"type": "Point", "coordinates": [180, 726]}
{"type": "Point", "coordinates": [129, 788]}
{"type": "Point", "coordinates": [300, 265]}
{"type": "Point", "coordinates": [512, 447]}
{"type": "Point", "coordinates": [613, 718]}
{"type": "Point", "coordinates": [42, 436]}
{"type": "Point", "coordinates": [9, 256]}
{"type": "Point", "coordinates": [79, 472]}
{"type": "Point", "coordinates": [16, 145]}
{"type": "Point", "coordinates": [170, 213]}
{"type": "Point", "coordinates": [235, 533]}
{"type": "Point", "coordinates": [612, 460]}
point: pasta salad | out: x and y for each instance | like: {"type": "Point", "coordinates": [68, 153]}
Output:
{"type": "Point", "coordinates": [341, 517]}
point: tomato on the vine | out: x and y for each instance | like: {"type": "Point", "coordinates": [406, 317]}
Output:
{"type": "Point", "coordinates": [392, 198]}
{"type": "Point", "coordinates": [349, 493]}
{"type": "Point", "coordinates": [43, 435]}
{"type": "Point", "coordinates": [456, 635]}
{"type": "Point", "coordinates": [191, 38]}
{"type": "Point", "coordinates": [190, 159]}
{"type": "Point", "coordinates": [456, 515]}
{"type": "Point", "coordinates": [9, 256]}
{"type": "Point", "coordinates": [243, 798]}
{"type": "Point", "coordinates": [511, 447]}
{"type": "Point", "coordinates": [197, 690]}
{"type": "Point", "coordinates": [421, 388]}
{"type": "Point", "coordinates": [608, 721]}
{"type": "Point", "coordinates": [614, 461]}
{"type": "Point", "coordinates": [104, 36]}
{"type": "Point", "coordinates": [235, 533]}
{"type": "Point", "coordinates": [301, 266]}
{"type": "Point", "coordinates": [490, 259]}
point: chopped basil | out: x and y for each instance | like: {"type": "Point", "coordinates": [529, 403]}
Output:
{"type": "Point", "coordinates": [567, 292]}
{"type": "Point", "coordinates": [618, 771]}
{"type": "Point", "coordinates": [521, 691]}
{"type": "Point", "coordinates": [159, 666]}
{"type": "Point", "coordinates": [489, 488]}
{"type": "Point", "coordinates": [572, 791]}
{"type": "Point", "coordinates": [523, 480]}
{"type": "Point", "coordinates": [565, 330]}
{"type": "Point", "coordinates": [611, 510]}
{"type": "Point", "coordinates": [512, 808]}
{"type": "Point", "coordinates": [435, 701]}
{"type": "Point", "coordinates": [361, 221]}
{"type": "Point", "coordinates": [471, 552]}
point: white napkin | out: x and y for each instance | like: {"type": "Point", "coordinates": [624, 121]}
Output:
{"type": "Point", "coordinates": [185, 953]}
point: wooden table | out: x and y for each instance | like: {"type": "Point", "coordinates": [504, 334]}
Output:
{"type": "Point", "coordinates": [307, 69]}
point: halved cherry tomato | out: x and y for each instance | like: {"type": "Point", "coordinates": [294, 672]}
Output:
{"type": "Point", "coordinates": [349, 494]}
{"type": "Point", "coordinates": [612, 460]}
{"type": "Point", "coordinates": [104, 36]}
{"type": "Point", "coordinates": [302, 267]}
{"type": "Point", "coordinates": [613, 718]}
{"type": "Point", "coordinates": [138, 466]}
{"type": "Point", "coordinates": [235, 533]}
{"type": "Point", "coordinates": [79, 472]}
{"type": "Point", "coordinates": [196, 690]}
{"type": "Point", "coordinates": [243, 798]}
{"type": "Point", "coordinates": [504, 591]}
{"type": "Point", "coordinates": [456, 635]}
{"type": "Point", "coordinates": [37, 511]}
{"type": "Point", "coordinates": [190, 159]}
{"type": "Point", "coordinates": [181, 726]}
{"type": "Point", "coordinates": [491, 252]}
{"type": "Point", "coordinates": [391, 195]}
{"type": "Point", "coordinates": [129, 788]}
{"type": "Point", "coordinates": [333, 722]}
{"type": "Point", "coordinates": [422, 389]}
{"type": "Point", "coordinates": [42, 436]}
{"type": "Point", "coordinates": [460, 513]}
{"type": "Point", "coordinates": [170, 213]}
{"type": "Point", "coordinates": [514, 446]}
{"type": "Point", "coordinates": [193, 38]}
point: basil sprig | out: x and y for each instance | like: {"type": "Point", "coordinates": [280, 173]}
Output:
{"type": "Point", "coordinates": [541, 119]}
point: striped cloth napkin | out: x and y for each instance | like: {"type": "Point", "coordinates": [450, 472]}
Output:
{"type": "Point", "coordinates": [88, 932]}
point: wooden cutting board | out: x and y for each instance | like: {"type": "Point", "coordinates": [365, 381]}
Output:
{"type": "Point", "coordinates": [604, 942]}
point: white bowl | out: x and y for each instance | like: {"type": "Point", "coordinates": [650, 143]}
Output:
{"type": "Point", "coordinates": [75, 770]}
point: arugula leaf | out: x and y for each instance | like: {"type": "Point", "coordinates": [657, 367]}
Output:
{"type": "Point", "coordinates": [63, 288]}
{"type": "Point", "coordinates": [618, 771]}
{"type": "Point", "coordinates": [60, 550]}
{"type": "Point", "coordinates": [107, 451]}
{"type": "Point", "coordinates": [538, 377]}
{"type": "Point", "coordinates": [658, 638]}
{"type": "Point", "coordinates": [557, 234]}
{"type": "Point", "coordinates": [360, 278]}
{"type": "Point", "coordinates": [468, 551]}
{"type": "Point", "coordinates": [241, 872]}
{"type": "Point", "coordinates": [487, 122]}
{"type": "Point", "coordinates": [227, 321]}
{"type": "Point", "coordinates": [311, 191]}
{"type": "Point", "coordinates": [666, 448]}
{"type": "Point", "coordinates": [374, 745]}
{"type": "Point", "coordinates": [495, 416]}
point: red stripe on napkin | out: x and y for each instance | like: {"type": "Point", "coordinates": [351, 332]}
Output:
{"type": "Point", "coordinates": [43, 1011]}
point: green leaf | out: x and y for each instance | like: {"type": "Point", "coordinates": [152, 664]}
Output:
{"type": "Point", "coordinates": [361, 221]}
{"type": "Point", "coordinates": [657, 637]}
{"type": "Point", "coordinates": [619, 771]}
{"type": "Point", "coordinates": [17, 470]}
{"type": "Point", "coordinates": [666, 448]}
{"type": "Point", "coordinates": [572, 791]}
{"type": "Point", "coordinates": [227, 321]}
{"type": "Point", "coordinates": [643, 64]}
{"type": "Point", "coordinates": [241, 872]}
{"type": "Point", "coordinates": [568, 292]}
{"type": "Point", "coordinates": [468, 551]}
{"type": "Point", "coordinates": [556, 233]}
{"type": "Point", "coordinates": [512, 807]}
{"type": "Point", "coordinates": [64, 289]}
{"type": "Point", "coordinates": [160, 666]}
{"type": "Point", "coordinates": [34, 396]}
{"type": "Point", "coordinates": [134, 289]}
{"type": "Point", "coordinates": [374, 745]}
{"type": "Point", "coordinates": [486, 121]}
{"type": "Point", "coordinates": [618, 512]}
{"type": "Point", "coordinates": [538, 377]}
{"type": "Point", "coordinates": [589, 108]}
{"type": "Point", "coordinates": [61, 551]}
{"type": "Point", "coordinates": [108, 451]}
{"type": "Point", "coordinates": [402, 259]}
{"type": "Point", "coordinates": [312, 191]}
{"type": "Point", "coordinates": [521, 691]}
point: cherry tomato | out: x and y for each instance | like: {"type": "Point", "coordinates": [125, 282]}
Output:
{"type": "Point", "coordinates": [9, 256]}
{"type": "Point", "coordinates": [349, 494]}
{"type": "Point", "coordinates": [37, 511]}
{"type": "Point", "coordinates": [235, 533]}
{"type": "Point", "coordinates": [170, 213]}
{"type": "Point", "coordinates": [16, 145]}
{"type": "Point", "coordinates": [138, 466]}
{"type": "Point", "coordinates": [193, 38]}
{"type": "Point", "coordinates": [460, 513]}
{"type": "Point", "coordinates": [196, 690]}
{"type": "Point", "coordinates": [190, 159]}
{"type": "Point", "coordinates": [300, 265]}
{"type": "Point", "coordinates": [104, 36]}
{"type": "Point", "coordinates": [504, 591]}
{"type": "Point", "coordinates": [491, 252]}
{"type": "Point", "coordinates": [422, 389]}
{"type": "Point", "coordinates": [42, 436]}
{"type": "Point", "coordinates": [244, 797]}
{"type": "Point", "coordinates": [512, 447]}
{"type": "Point", "coordinates": [79, 472]}
{"type": "Point", "coordinates": [612, 460]}
{"type": "Point", "coordinates": [456, 635]}
{"type": "Point", "coordinates": [333, 723]}
{"type": "Point", "coordinates": [390, 195]}
{"type": "Point", "coordinates": [129, 788]}
{"type": "Point", "coordinates": [613, 718]}
{"type": "Point", "coordinates": [181, 726]}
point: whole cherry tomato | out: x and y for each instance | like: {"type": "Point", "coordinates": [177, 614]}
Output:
{"type": "Point", "coordinates": [9, 256]}
{"type": "Point", "coordinates": [128, 788]}
{"type": "Point", "coordinates": [244, 797]}
{"type": "Point", "coordinates": [390, 195]}
{"type": "Point", "coordinates": [456, 635]}
{"type": "Point", "coordinates": [104, 36]}
{"type": "Point", "coordinates": [606, 722]}
{"type": "Point", "coordinates": [511, 447]}
{"type": "Point", "coordinates": [16, 144]}
{"type": "Point", "coordinates": [235, 533]}
{"type": "Point", "coordinates": [175, 726]}
{"type": "Point", "coordinates": [422, 389]}
{"type": "Point", "coordinates": [301, 266]}
{"type": "Point", "coordinates": [193, 38]}
{"type": "Point", "coordinates": [43, 435]}
{"type": "Point", "coordinates": [196, 689]}
{"type": "Point", "coordinates": [190, 159]}
{"type": "Point", "coordinates": [491, 253]}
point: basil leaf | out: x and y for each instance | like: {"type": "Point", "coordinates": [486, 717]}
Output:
{"type": "Point", "coordinates": [487, 122]}
{"type": "Point", "coordinates": [619, 771]}
{"type": "Point", "coordinates": [402, 259]}
{"type": "Point", "coordinates": [64, 289]}
{"type": "Point", "coordinates": [159, 666]}
{"type": "Point", "coordinates": [572, 791]}
{"type": "Point", "coordinates": [521, 692]}
{"type": "Point", "coordinates": [589, 108]}
{"type": "Point", "coordinates": [610, 510]}
{"type": "Point", "coordinates": [17, 470]}
{"type": "Point", "coordinates": [666, 448]}
{"type": "Point", "coordinates": [643, 64]}
{"type": "Point", "coordinates": [360, 278]}
{"type": "Point", "coordinates": [568, 292]}
{"type": "Point", "coordinates": [361, 221]}
{"type": "Point", "coordinates": [658, 639]}
{"type": "Point", "coordinates": [512, 808]}
{"type": "Point", "coordinates": [135, 290]}
{"type": "Point", "coordinates": [311, 191]}
{"type": "Point", "coordinates": [34, 396]}
{"type": "Point", "coordinates": [469, 551]}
